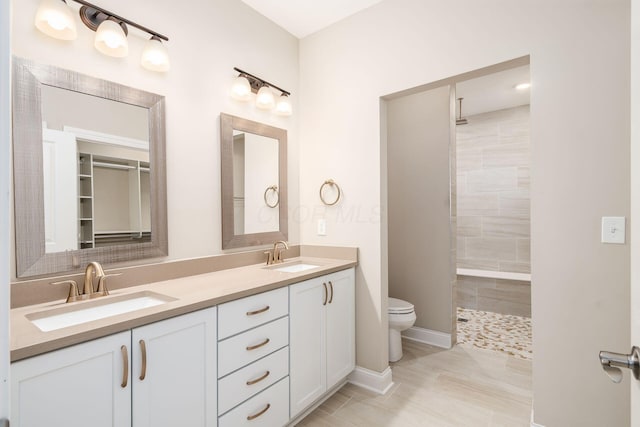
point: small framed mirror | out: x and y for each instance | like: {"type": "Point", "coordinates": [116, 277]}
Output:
{"type": "Point", "coordinates": [89, 171]}
{"type": "Point", "coordinates": [254, 182]}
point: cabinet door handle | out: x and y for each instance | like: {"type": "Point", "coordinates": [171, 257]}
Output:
{"type": "Point", "coordinates": [326, 294]}
{"type": "Point", "coordinates": [253, 347]}
{"type": "Point", "coordinates": [331, 286]}
{"type": "Point", "coordinates": [125, 363]}
{"type": "Point", "coordinates": [254, 416]}
{"type": "Point", "coordinates": [143, 370]}
{"type": "Point", "coordinates": [257, 380]}
{"type": "Point", "coordinates": [262, 310]}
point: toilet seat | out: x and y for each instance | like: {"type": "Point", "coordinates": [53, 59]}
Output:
{"type": "Point", "coordinates": [398, 306]}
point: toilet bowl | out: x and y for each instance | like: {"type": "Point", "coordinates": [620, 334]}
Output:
{"type": "Point", "coordinates": [401, 317]}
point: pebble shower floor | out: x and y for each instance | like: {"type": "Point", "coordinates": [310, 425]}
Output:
{"type": "Point", "coordinates": [494, 331]}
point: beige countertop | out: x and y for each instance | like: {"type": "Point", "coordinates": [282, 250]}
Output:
{"type": "Point", "coordinates": [190, 293]}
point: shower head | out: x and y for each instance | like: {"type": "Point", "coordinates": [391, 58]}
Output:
{"type": "Point", "coordinates": [461, 120]}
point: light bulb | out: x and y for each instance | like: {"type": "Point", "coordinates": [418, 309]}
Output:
{"type": "Point", "coordinates": [54, 18]}
{"type": "Point", "coordinates": [155, 56]}
{"type": "Point", "coordinates": [283, 105]}
{"type": "Point", "coordinates": [241, 89]}
{"type": "Point", "coordinates": [265, 99]}
{"type": "Point", "coordinates": [111, 39]}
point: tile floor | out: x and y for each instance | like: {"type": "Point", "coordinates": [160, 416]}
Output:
{"type": "Point", "coordinates": [464, 386]}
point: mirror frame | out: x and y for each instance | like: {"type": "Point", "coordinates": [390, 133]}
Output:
{"type": "Point", "coordinates": [31, 258]}
{"type": "Point", "coordinates": [228, 124]}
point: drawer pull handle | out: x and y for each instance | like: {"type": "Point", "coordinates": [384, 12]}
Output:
{"type": "Point", "coordinates": [326, 294]}
{"type": "Point", "coordinates": [254, 416]}
{"type": "Point", "coordinates": [331, 286]}
{"type": "Point", "coordinates": [262, 310]}
{"type": "Point", "coordinates": [143, 350]}
{"type": "Point", "coordinates": [253, 347]}
{"type": "Point", "coordinates": [257, 380]}
{"type": "Point", "coordinates": [125, 363]}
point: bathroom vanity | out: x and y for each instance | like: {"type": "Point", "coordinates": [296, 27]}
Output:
{"type": "Point", "coordinates": [255, 345]}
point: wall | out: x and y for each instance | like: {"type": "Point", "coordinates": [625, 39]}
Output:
{"type": "Point", "coordinates": [495, 295]}
{"type": "Point", "coordinates": [207, 39]}
{"type": "Point", "coordinates": [418, 138]}
{"type": "Point", "coordinates": [5, 195]}
{"type": "Point", "coordinates": [580, 169]}
{"type": "Point", "coordinates": [493, 181]}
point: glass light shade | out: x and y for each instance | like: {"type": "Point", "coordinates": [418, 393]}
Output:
{"type": "Point", "coordinates": [54, 18]}
{"type": "Point", "coordinates": [265, 99]}
{"type": "Point", "coordinates": [111, 39]}
{"type": "Point", "coordinates": [283, 106]}
{"type": "Point", "coordinates": [155, 56]}
{"type": "Point", "coordinates": [241, 89]}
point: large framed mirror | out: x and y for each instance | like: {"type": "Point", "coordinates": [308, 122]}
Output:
{"type": "Point", "coordinates": [254, 182]}
{"type": "Point", "coordinates": [89, 171]}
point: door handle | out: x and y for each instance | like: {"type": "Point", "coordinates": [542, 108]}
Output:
{"type": "Point", "coordinates": [612, 362]}
{"type": "Point", "coordinates": [4, 422]}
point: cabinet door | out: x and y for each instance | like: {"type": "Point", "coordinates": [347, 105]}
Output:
{"type": "Point", "coordinates": [77, 386]}
{"type": "Point", "coordinates": [177, 387]}
{"type": "Point", "coordinates": [341, 345]}
{"type": "Point", "coordinates": [307, 343]}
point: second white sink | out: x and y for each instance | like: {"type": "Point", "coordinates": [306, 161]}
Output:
{"type": "Point", "coordinates": [294, 268]}
{"type": "Point", "coordinates": [71, 315]}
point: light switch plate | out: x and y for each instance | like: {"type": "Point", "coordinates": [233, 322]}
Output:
{"type": "Point", "coordinates": [613, 229]}
{"type": "Point", "coordinates": [322, 227]}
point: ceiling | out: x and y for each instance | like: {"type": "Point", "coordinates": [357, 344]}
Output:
{"type": "Point", "coordinates": [494, 91]}
{"type": "Point", "coordinates": [304, 17]}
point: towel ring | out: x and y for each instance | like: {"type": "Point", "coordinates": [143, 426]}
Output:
{"type": "Point", "coordinates": [273, 188]}
{"type": "Point", "coordinates": [333, 184]}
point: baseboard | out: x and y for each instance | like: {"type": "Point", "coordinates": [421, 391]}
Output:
{"type": "Point", "coordinates": [532, 423]}
{"type": "Point", "coordinates": [427, 336]}
{"type": "Point", "coordinates": [378, 382]}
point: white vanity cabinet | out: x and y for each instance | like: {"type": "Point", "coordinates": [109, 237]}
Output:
{"type": "Point", "coordinates": [101, 382]}
{"type": "Point", "coordinates": [76, 386]}
{"type": "Point", "coordinates": [253, 360]}
{"type": "Point", "coordinates": [322, 336]}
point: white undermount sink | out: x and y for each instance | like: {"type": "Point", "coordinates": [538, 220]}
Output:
{"type": "Point", "coordinates": [295, 267]}
{"type": "Point", "coordinates": [77, 313]}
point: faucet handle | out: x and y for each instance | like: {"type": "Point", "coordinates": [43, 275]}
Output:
{"type": "Point", "coordinates": [73, 289]}
{"type": "Point", "coordinates": [102, 284]}
{"type": "Point", "coordinates": [269, 257]}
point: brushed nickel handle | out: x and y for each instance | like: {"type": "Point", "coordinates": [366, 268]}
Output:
{"type": "Point", "coordinates": [257, 380]}
{"type": "Point", "coordinates": [253, 347]}
{"type": "Point", "coordinates": [125, 370]}
{"type": "Point", "coordinates": [331, 286]}
{"type": "Point", "coordinates": [254, 416]}
{"type": "Point", "coordinates": [326, 294]}
{"type": "Point", "coordinates": [612, 362]}
{"type": "Point", "coordinates": [262, 310]}
{"type": "Point", "coordinates": [143, 350]}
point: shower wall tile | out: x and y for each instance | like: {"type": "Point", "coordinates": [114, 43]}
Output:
{"type": "Point", "coordinates": [496, 295]}
{"type": "Point", "coordinates": [492, 180]}
{"type": "Point", "coordinates": [493, 204]}
{"type": "Point", "coordinates": [469, 226]}
{"type": "Point", "coordinates": [478, 205]}
{"type": "Point", "coordinates": [491, 248]}
{"type": "Point", "coordinates": [506, 227]}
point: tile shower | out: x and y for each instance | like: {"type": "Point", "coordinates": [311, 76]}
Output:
{"type": "Point", "coordinates": [493, 216]}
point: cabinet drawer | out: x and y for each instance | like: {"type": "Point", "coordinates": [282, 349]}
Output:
{"type": "Point", "coordinates": [252, 379]}
{"type": "Point", "coordinates": [240, 350]}
{"type": "Point", "coordinates": [246, 313]}
{"type": "Point", "coordinates": [267, 409]}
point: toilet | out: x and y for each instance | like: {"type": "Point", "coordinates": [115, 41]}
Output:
{"type": "Point", "coordinates": [401, 317]}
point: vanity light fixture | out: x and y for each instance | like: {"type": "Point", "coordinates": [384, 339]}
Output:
{"type": "Point", "coordinates": [55, 19]}
{"type": "Point", "coordinates": [523, 86]}
{"type": "Point", "coordinates": [246, 83]}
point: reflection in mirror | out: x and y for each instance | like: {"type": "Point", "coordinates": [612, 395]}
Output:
{"type": "Point", "coordinates": [96, 171]}
{"type": "Point", "coordinates": [89, 171]}
{"type": "Point", "coordinates": [254, 182]}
